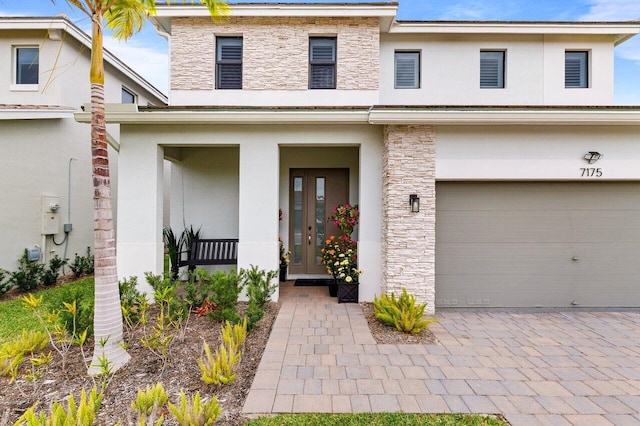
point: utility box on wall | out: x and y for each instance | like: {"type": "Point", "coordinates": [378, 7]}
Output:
{"type": "Point", "coordinates": [50, 216]}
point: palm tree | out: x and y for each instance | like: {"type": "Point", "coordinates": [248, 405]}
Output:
{"type": "Point", "coordinates": [124, 18]}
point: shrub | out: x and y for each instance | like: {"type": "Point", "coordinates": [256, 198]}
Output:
{"type": "Point", "coordinates": [224, 289]}
{"type": "Point", "coordinates": [82, 264]}
{"type": "Point", "coordinates": [402, 313]}
{"type": "Point", "coordinates": [194, 412]}
{"type": "Point", "coordinates": [50, 276]}
{"type": "Point", "coordinates": [12, 353]}
{"type": "Point", "coordinates": [5, 282]}
{"type": "Point", "coordinates": [259, 289]}
{"type": "Point", "coordinates": [219, 369]}
{"type": "Point", "coordinates": [82, 414]}
{"type": "Point", "coordinates": [133, 303]}
{"type": "Point", "coordinates": [29, 274]}
{"type": "Point", "coordinates": [149, 404]}
{"type": "Point", "coordinates": [174, 245]}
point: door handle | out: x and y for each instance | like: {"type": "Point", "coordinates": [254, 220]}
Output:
{"type": "Point", "coordinates": [309, 238]}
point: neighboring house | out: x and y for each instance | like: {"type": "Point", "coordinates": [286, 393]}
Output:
{"type": "Point", "coordinates": [527, 176]}
{"type": "Point", "coordinates": [46, 154]}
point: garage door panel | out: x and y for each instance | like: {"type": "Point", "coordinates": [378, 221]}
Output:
{"type": "Point", "coordinates": [538, 244]}
{"type": "Point", "coordinates": [502, 291]}
{"type": "Point", "coordinates": [480, 259]}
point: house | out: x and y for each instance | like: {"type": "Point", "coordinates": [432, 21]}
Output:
{"type": "Point", "coordinates": [526, 175]}
{"type": "Point", "coordinates": [45, 166]}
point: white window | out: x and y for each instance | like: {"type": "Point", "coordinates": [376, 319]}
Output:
{"type": "Point", "coordinates": [27, 65]}
{"type": "Point", "coordinates": [407, 70]}
{"type": "Point", "coordinates": [229, 63]}
{"type": "Point", "coordinates": [322, 62]}
{"type": "Point", "coordinates": [576, 65]}
{"type": "Point", "coordinates": [128, 97]}
{"type": "Point", "coordinates": [492, 69]}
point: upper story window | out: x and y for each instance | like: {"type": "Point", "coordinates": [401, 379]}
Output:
{"type": "Point", "coordinates": [229, 63]}
{"type": "Point", "coordinates": [322, 63]}
{"type": "Point", "coordinates": [492, 69]}
{"type": "Point", "coordinates": [576, 65]}
{"type": "Point", "coordinates": [407, 70]}
{"type": "Point", "coordinates": [128, 97]}
{"type": "Point", "coordinates": [27, 65]}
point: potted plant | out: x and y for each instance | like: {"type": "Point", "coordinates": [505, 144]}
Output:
{"type": "Point", "coordinates": [285, 258]}
{"type": "Point", "coordinates": [348, 275]}
{"type": "Point", "coordinates": [345, 217]}
{"type": "Point", "coordinates": [339, 255]}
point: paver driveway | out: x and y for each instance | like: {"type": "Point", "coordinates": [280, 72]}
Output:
{"type": "Point", "coordinates": [559, 368]}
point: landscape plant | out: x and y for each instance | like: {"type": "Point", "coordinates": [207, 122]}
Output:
{"type": "Point", "coordinates": [219, 369]}
{"type": "Point", "coordinates": [83, 265]}
{"type": "Point", "coordinates": [224, 289]}
{"type": "Point", "coordinates": [174, 245]}
{"type": "Point", "coordinates": [83, 413]}
{"type": "Point", "coordinates": [260, 286]}
{"type": "Point", "coordinates": [194, 412]}
{"type": "Point", "coordinates": [149, 405]}
{"type": "Point", "coordinates": [29, 274]}
{"type": "Point", "coordinates": [5, 282]}
{"type": "Point", "coordinates": [345, 217]}
{"type": "Point", "coordinates": [50, 275]}
{"type": "Point", "coordinates": [403, 313]}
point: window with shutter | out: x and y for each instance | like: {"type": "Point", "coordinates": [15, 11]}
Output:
{"type": "Point", "coordinates": [27, 65]}
{"type": "Point", "coordinates": [229, 63]}
{"type": "Point", "coordinates": [322, 63]}
{"type": "Point", "coordinates": [492, 69]}
{"type": "Point", "coordinates": [407, 70]}
{"type": "Point", "coordinates": [575, 69]}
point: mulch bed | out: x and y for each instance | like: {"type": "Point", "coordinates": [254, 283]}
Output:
{"type": "Point", "coordinates": [181, 372]}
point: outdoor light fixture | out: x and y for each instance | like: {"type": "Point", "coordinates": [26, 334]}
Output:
{"type": "Point", "coordinates": [593, 156]}
{"type": "Point", "coordinates": [414, 203]}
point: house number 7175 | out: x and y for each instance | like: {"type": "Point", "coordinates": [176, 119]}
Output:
{"type": "Point", "coordinates": [591, 172]}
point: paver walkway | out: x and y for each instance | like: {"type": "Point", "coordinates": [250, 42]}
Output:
{"type": "Point", "coordinates": [580, 368]}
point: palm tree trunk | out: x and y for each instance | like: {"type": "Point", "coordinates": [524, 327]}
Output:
{"type": "Point", "coordinates": [107, 321]}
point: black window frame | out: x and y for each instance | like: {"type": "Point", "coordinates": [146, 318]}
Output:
{"type": "Point", "coordinates": [134, 97]}
{"type": "Point", "coordinates": [501, 73]}
{"type": "Point", "coordinates": [229, 64]}
{"type": "Point", "coordinates": [583, 82]}
{"type": "Point", "coordinates": [418, 70]}
{"type": "Point", "coordinates": [313, 84]}
{"type": "Point", "coordinates": [33, 63]}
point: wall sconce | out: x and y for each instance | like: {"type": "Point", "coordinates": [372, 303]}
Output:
{"type": "Point", "coordinates": [593, 156]}
{"type": "Point", "coordinates": [414, 203]}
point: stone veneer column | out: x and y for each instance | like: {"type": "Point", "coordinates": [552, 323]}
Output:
{"type": "Point", "coordinates": [408, 239]}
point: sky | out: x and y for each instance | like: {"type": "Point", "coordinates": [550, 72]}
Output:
{"type": "Point", "coordinates": [147, 52]}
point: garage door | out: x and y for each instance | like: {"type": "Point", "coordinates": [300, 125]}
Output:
{"type": "Point", "coordinates": [538, 244]}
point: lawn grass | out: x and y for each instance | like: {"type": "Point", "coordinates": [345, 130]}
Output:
{"type": "Point", "coordinates": [376, 419]}
{"type": "Point", "coordinates": [14, 317]}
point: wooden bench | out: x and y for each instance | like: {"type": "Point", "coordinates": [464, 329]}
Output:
{"type": "Point", "coordinates": [210, 252]}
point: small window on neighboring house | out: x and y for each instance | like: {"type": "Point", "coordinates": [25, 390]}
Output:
{"type": "Point", "coordinates": [27, 65]}
{"type": "Point", "coordinates": [407, 70]}
{"type": "Point", "coordinates": [229, 63]}
{"type": "Point", "coordinates": [128, 97]}
{"type": "Point", "coordinates": [492, 69]}
{"type": "Point", "coordinates": [322, 63]}
{"type": "Point", "coordinates": [576, 65]}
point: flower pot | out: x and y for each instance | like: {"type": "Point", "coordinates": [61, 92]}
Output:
{"type": "Point", "coordinates": [333, 288]}
{"type": "Point", "coordinates": [283, 273]}
{"type": "Point", "coordinates": [348, 292]}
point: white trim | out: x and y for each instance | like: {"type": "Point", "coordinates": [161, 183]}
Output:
{"type": "Point", "coordinates": [286, 10]}
{"type": "Point", "coordinates": [24, 87]}
{"type": "Point", "coordinates": [506, 116]}
{"type": "Point", "coordinates": [119, 113]}
{"type": "Point", "coordinates": [35, 114]}
{"type": "Point", "coordinates": [622, 30]}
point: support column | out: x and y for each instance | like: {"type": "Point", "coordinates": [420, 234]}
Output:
{"type": "Point", "coordinates": [258, 206]}
{"type": "Point", "coordinates": [370, 226]}
{"type": "Point", "coordinates": [408, 248]}
{"type": "Point", "coordinates": [140, 195]}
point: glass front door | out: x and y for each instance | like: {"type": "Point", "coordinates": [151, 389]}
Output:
{"type": "Point", "coordinates": [313, 195]}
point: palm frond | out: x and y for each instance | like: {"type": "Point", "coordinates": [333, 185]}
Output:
{"type": "Point", "coordinates": [126, 17]}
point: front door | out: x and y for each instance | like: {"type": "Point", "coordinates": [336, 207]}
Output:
{"type": "Point", "coordinates": [313, 195]}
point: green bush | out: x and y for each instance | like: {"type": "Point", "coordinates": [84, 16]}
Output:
{"type": "Point", "coordinates": [5, 282]}
{"type": "Point", "coordinates": [224, 289]}
{"type": "Point", "coordinates": [403, 312]}
{"type": "Point", "coordinates": [82, 264]}
{"type": "Point", "coordinates": [29, 274]}
{"type": "Point", "coordinates": [83, 413]}
{"type": "Point", "coordinates": [193, 412]}
{"type": "Point", "coordinates": [174, 245]}
{"type": "Point", "coordinates": [259, 289]}
{"type": "Point", "coordinates": [51, 275]}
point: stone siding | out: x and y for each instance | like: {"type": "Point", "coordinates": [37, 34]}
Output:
{"type": "Point", "coordinates": [275, 51]}
{"type": "Point", "coordinates": [408, 239]}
